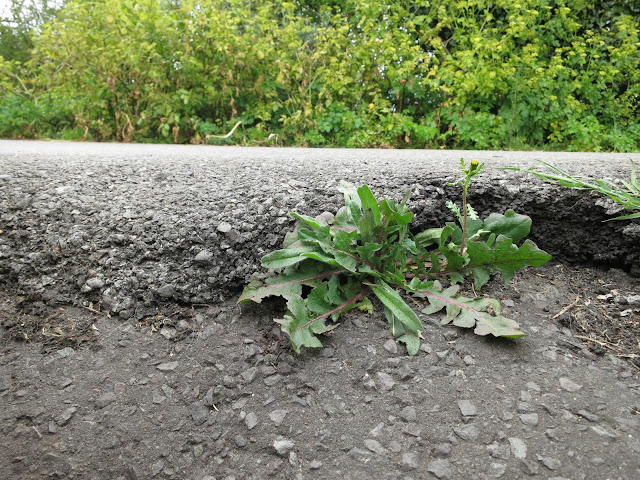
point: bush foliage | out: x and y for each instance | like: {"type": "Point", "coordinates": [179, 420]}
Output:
{"type": "Point", "coordinates": [503, 74]}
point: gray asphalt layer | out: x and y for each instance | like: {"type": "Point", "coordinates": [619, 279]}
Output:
{"type": "Point", "coordinates": [129, 225]}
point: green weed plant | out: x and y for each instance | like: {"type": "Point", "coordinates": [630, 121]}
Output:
{"type": "Point", "coordinates": [331, 264]}
{"type": "Point", "coordinates": [627, 194]}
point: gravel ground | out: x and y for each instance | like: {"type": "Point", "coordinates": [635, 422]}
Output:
{"type": "Point", "coordinates": [124, 355]}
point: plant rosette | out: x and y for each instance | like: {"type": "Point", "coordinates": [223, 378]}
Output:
{"type": "Point", "coordinates": [331, 264]}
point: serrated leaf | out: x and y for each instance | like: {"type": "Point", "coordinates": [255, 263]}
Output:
{"type": "Point", "coordinates": [428, 237]}
{"type": "Point", "coordinates": [511, 225]}
{"type": "Point", "coordinates": [286, 284]}
{"type": "Point", "coordinates": [393, 212]}
{"type": "Point", "coordinates": [503, 257]}
{"type": "Point", "coordinates": [367, 251]}
{"type": "Point", "coordinates": [317, 300]}
{"type": "Point", "coordinates": [365, 305]}
{"type": "Point", "coordinates": [483, 313]}
{"type": "Point", "coordinates": [322, 238]}
{"type": "Point", "coordinates": [302, 327]}
{"type": "Point", "coordinates": [498, 326]}
{"type": "Point", "coordinates": [394, 302]}
{"type": "Point", "coordinates": [411, 338]}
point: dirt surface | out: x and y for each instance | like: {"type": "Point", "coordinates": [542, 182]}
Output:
{"type": "Point", "coordinates": [214, 392]}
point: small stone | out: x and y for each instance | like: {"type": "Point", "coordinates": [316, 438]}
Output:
{"type": "Point", "coordinates": [158, 398]}
{"type": "Point", "coordinates": [375, 446]}
{"type": "Point", "coordinates": [633, 299]}
{"type": "Point", "coordinates": [518, 448]}
{"type": "Point", "coordinates": [467, 408]}
{"type": "Point", "coordinates": [602, 431]}
{"type": "Point", "coordinates": [50, 457]}
{"type": "Point", "coordinates": [530, 419]}
{"type": "Point", "coordinates": [551, 433]}
{"type": "Point", "coordinates": [198, 450]}
{"type": "Point", "coordinates": [360, 455]}
{"type": "Point", "coordinates": [168, 332]}
{"type": "Point", "coordinates": [168, 391]}
{"type": "Point", "coordinates": [166, 291]}
{"type": "Point", "coordinates": [167, 367]}
{"type": "Point", "coordinates": [526, 407]}
{"type": "Point", "coordinates": [251, 420]}
{"type": "Point", "coordinates": [199, 413]}
{"type": "Point", "coordinates": [273, 380]}
{"type": "Point", "coordinates": [442, 449]}
{"type": "Point", "coordinates": [224, 227]}
{"type": "Point", "coordinates": [277, 416]}
{"type": "Point", "coordinates": [441, 469]}
{"type": "Point", "coordinates": [368, 382]}
{"type": "Point", "coordinates": [240, 441]}
{"type": "Point", "coordinates": [569, 385]}
{"type": "Point", "coordinates": [377, 430]}
{"type": "Point", "coordinates": [411, 460]}
{"type": "Point", "coordinates": [530, 467]}
{"type": "Point", "coordinates": [497, 470]}
{"type": "Point", "coordinates": [412, 429]}
{"type": "Point", "coordinates": [66, 352]}
{"type": "Point", "coordinates": [66, 416]}
{"type": "Point", "coordinates": [391, 346]}
{"type": "Point", "coordinates": [385, 381]}
{"type": "Point", "coordinates": [249, 374]}
{"type": "Point", "coordinates": [157, 467]}
{"type": "Point", "coordinates": [204, 257]}
{"type": "Point", "coordinates": [468, 433]}
{"type": "Point", "coordinates": [426, 348]}
{"type": "Point", "coordinates": [5, 382]}
{"type": "Point", "coordinates": [315, 465]}
{"type": "Point", "coordinates": [588, 415]}
{"type": "Point", "coordinates": [104, 400]}
{"type": "Point", "coordinates": [634, 444]}
{"type": "Point", "coordinates": [533, 386]}
{"type": "Point", "coordinates": [502, 452]}
{"type": "Point", "coordinates": [94, 283]}
{"type": "Point", "coordinates": [53, 428]}
{"type": "Point", "coordinates": [408, 414]}
{"type": "Point", "coordinates": [395, 446]}
{"type": "Point", "coordinates": [283, 446]}
{"type": "Point", "coordinates": [550, 462]}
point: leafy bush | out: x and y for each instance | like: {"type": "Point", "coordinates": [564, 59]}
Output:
{"type": "Point", "coordinates": [462, 74]}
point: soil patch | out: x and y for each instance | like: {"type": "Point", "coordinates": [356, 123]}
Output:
{"type": "Point", "coordinates": [215, 392]}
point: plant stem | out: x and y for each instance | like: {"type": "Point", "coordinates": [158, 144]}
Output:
{"type": "Point", "coordinates": [465, 186]}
